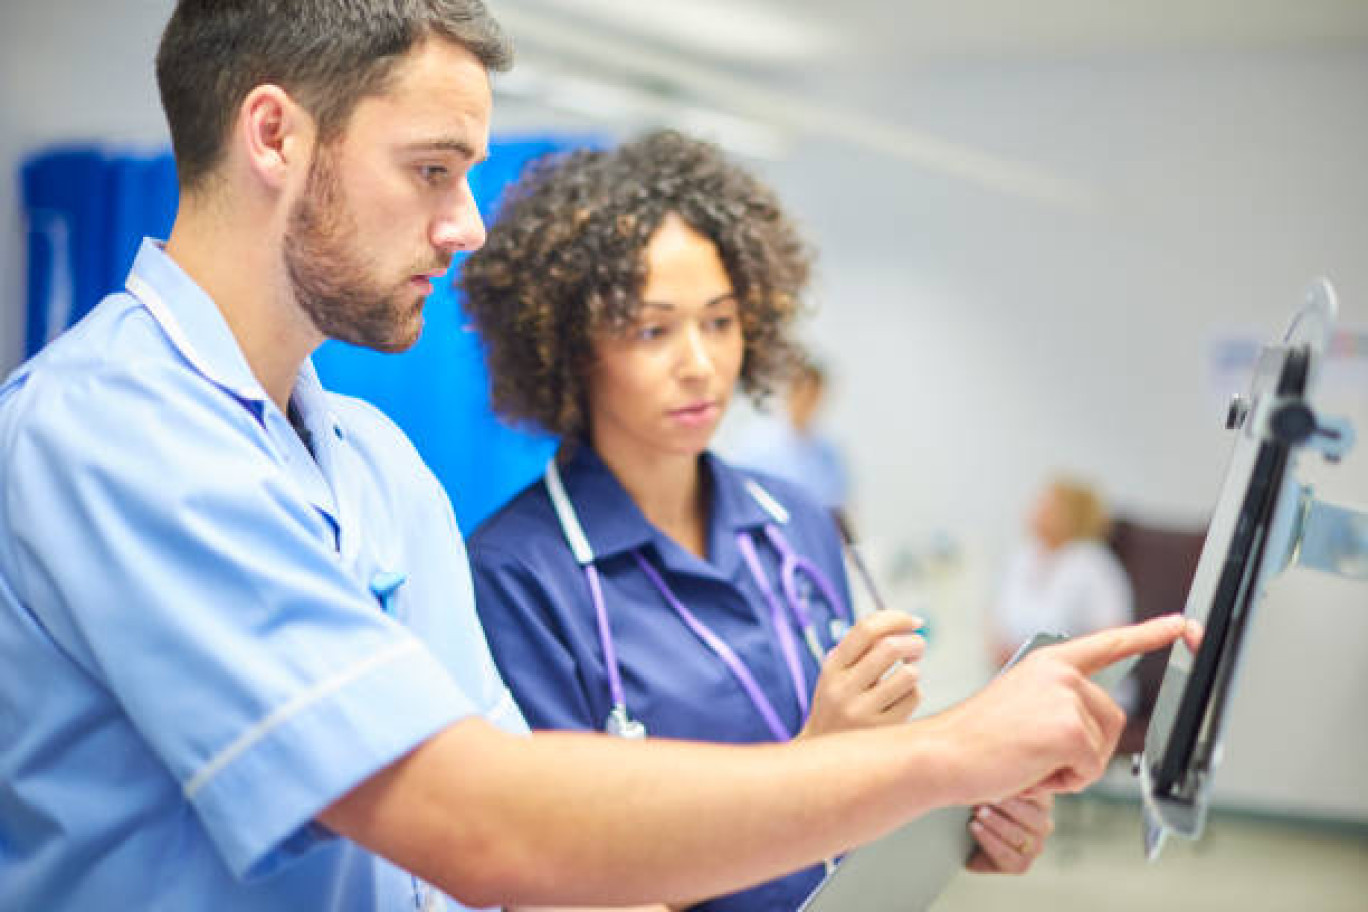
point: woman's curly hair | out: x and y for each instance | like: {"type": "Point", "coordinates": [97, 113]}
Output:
{"type": "Point", "coordinates": [565, 260]}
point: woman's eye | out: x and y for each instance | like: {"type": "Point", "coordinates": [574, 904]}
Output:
{"type": "Point", "coordinates": [650, 332]}
{"type": "Point", "coordinates": [722, 324]}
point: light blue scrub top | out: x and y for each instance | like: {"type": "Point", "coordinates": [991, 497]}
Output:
{"type": "Point", "coordinates": [534, 602]}
{"type": "Point", "coordinates": [192, 661]}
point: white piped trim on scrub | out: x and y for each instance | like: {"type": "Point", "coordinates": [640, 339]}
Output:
{"type": "Point", "coordinates": [253, 735]}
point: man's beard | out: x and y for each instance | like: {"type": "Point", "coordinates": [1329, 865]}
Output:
{"type": "Point", "coordinates": [335, 283]}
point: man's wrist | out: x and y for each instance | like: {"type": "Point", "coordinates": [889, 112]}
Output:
{"type": "Point", "coordinates": [941, 774]}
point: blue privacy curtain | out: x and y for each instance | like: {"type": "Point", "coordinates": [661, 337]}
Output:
{"type": "Point", "coordinates": [87, 209]}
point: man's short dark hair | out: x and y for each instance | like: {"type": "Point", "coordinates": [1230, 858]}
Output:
{"type": "Point", "coordinates": [328, 54]}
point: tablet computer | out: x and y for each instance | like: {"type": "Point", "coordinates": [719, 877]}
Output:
{"type": "Point", "coordinates": [1253, 530]}
{"type": "Point", "coordinates": [906, 870]}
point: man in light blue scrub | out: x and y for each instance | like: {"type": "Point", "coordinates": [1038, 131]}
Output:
{"type": "Point", "coordinates": [239, 663]}
{"type": "Point", "coordinates": [229, 596]}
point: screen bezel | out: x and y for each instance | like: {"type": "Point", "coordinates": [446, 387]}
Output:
{"type": "Point", "coordinates": [1254, 532]}
{"type": "Point", "coordinates": [1180, 757]}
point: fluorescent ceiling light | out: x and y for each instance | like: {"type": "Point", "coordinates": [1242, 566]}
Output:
{"type": "Point", "coordinates": [694, 83]}
{"type": "Point", "coordinates": [743, 30]}
{"type": "Point", "coordinates": [633, 108]}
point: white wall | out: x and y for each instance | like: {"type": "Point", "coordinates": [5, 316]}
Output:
{"type": "Point", "coordinates": [67, 74]}
{"type": "Point", "coordinates": [981, 341]}
{"type": "Point", "coordinates": [1078, 340]}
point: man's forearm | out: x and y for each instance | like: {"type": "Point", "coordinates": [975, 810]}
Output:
{"type": "Point", "coordinates": [569, 818]}
{"type": "Point", "coordinates": [585, 819]}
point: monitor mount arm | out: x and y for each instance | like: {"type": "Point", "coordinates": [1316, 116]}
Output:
{"type": "Point", "coordinates": [1326, 537]}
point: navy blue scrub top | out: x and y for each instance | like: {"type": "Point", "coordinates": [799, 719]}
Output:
{"type": "Point", "coordinates": [535, 607]}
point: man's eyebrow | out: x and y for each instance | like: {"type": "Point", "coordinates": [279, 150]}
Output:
{"type": "Point", "coordinates": [459, 146]}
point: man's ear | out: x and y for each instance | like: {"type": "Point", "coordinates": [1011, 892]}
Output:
{"type": "Point", "coordinates": [275, 134]}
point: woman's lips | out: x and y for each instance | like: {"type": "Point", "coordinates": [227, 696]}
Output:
{"type": "Point", "coordinates": [695, 415]}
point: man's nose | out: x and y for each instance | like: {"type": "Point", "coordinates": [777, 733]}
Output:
{"type": "Point", "coordinates": [459, 226]}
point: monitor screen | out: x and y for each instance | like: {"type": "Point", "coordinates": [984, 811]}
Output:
{"type": "Point", "coordinates": [1250, 538]}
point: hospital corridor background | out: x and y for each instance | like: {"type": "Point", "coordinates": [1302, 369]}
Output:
{"type": "Point", "coordinates": [1050, 238]}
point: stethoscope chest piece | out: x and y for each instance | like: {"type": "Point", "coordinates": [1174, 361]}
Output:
{"type": "Point", "coordinates": [621, 725]}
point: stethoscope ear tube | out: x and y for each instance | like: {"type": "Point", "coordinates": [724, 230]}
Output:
{"type": "Point", "coordinates": [569, 519]}
{"type": "Point", "coordinates": [619, 721]}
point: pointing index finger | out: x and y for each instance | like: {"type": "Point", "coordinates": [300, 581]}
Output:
{"type": "Point", "coordinates": [1091, 654]}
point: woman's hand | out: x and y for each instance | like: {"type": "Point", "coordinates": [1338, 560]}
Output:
{"type": "Point", "coordinates": [870, 678]}
{"type": "Point", "coordinates": [1012, 833]}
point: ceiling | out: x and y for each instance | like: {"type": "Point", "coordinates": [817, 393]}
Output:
{"type": "Point", "coordinates": [757, 75]}
{"type": "Point", "coordinates": [917, 31]}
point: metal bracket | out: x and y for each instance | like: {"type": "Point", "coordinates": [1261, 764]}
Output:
{"type": "Point", "coordinates": [1330, 538]}
{"type": "Point", "coordinates": [1290, 421]}
{"type": "Point", "coordinates": [1326, 537]}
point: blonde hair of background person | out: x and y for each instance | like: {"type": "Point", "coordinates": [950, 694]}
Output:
{"type": "Point", "coordinates": [1063, 578]}
{"type": "Point", "coordinates": [1072, 511]}
{"type": "Point", "coordinates": [160, 504]}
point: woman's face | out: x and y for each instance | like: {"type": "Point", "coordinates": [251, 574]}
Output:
{"type": "Point", "coordinates": [1049, 519]}
{"type": "Point", "coordinates": [662, 386]}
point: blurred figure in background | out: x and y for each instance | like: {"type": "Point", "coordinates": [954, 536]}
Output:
{"type": "Point", "coordinates": [792, 447]}
{"type": "Point", "coordinates": [1063, 578]}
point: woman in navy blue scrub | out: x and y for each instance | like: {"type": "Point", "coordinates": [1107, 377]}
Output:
{"type": "Point", "coordinates": [644, 586]}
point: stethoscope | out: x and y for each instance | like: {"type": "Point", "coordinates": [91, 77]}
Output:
{"type": "Point", "coordinates": [799, 579]}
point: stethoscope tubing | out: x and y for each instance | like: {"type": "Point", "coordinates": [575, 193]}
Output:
{"type": "Point", "coordinates": [605, 633]}
{"type": "Point", "coordinates": [787, 645]}
{"type": "Point", "coordinates": [719, 647]}
{"type": "Point", "coordinates": [791, 564]}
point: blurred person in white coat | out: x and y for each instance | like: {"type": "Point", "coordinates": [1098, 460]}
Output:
{"type": "Point", "coordinates": [1063, 578]}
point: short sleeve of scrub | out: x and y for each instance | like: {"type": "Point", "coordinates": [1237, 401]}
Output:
{"type": "Point", "coordinates": [207, 595]}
